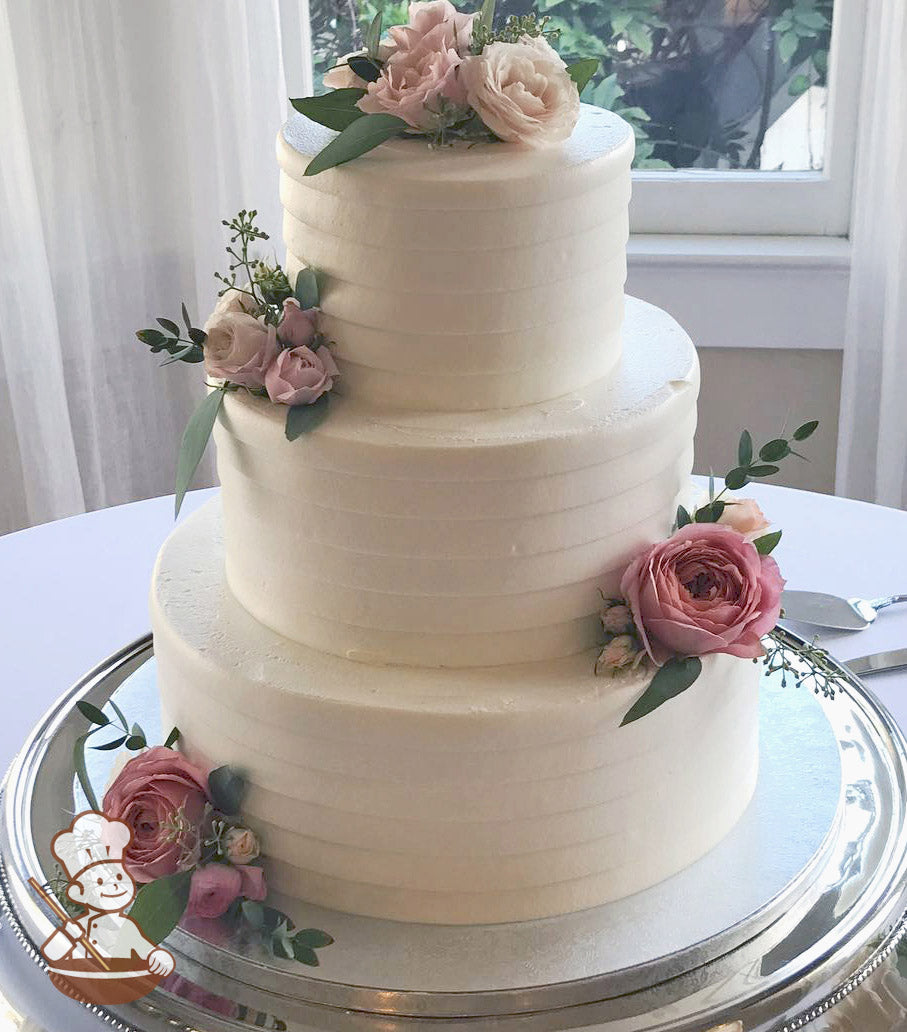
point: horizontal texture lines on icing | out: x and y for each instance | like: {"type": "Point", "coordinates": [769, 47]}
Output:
{"type": "Point", "coordinates": [465, 278]}
{"type": "Point", "coordinates": [446, 795]}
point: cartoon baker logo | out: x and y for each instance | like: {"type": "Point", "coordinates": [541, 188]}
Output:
{"type": "Point", "coordinates": [101, 956]}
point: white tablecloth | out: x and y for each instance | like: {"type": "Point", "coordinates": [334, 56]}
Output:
{"type": "Point", "coordinates": [76, 590]}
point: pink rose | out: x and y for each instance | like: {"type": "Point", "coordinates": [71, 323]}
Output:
{"type": "Point", "coordinates": [252, 883]}
{"type": "Point", "coordinates": [621, 652]}
{"type": "Point", "coordinates": [162, 797]}
{"type": "Point", "coordinates": [239, 348]}
{"type": "Point", "coordinates": [212, 889]}
{"type": "Point", "coordinates": [417, 83]}
{"type": "Point", "coordinates": [706, 589]}
{"type": "Point", "coordinates": [297, 327]}
{"type": "Point", "coordinates": [425, 18]}
{"type": "Point", "coordinates": [300, 376]}
{"type": "Point", "coordinates": [745, 516]}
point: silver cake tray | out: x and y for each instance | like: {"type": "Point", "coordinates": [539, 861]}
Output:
{"type": "Point", "coordinates": [800, 901]}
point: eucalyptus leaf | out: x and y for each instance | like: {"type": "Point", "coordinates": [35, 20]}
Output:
{"type": "Point", "coordinates": [305, 955]}
{"type": "Point", "coordinates": [170, 326]}
{"type": "Point", "coordinates": [736, 478]}
{"type": "Point", "coordinates": [365, 68]}
{"type": "Point", "coordinates": [182, 355]}
{"type": "Point", "coordinates": [160, 904]}
{"type": "Point", "coordinates": [135, 742]}
{"type": "Point", "coordinates": [197, 336]}
{"type": "Point", "coordinates": [582, 71]}
{"type": "Point", "coordinates": [186, 318]}
{"type": "Point", "coordinates": [763, 471]}
{"type": "Point", "coordinates": [303, 418]}
{"type": "Point", "coordinates": [669, 681]}
{"type": "Point", "coordinates": [805, 430]}
{"type": "Point", "coordinates": [373, 36]}
{"type": "Point", "coordinates": [92, 713]}
{"type": "Point", "coordinates": [227, 788]}
{"type": "Point", "coordinates": [774, 450]}
{"type": "Point", "coordinates": [306, 289]}
{"type": "Point", "coordinates": [356, 139]}
{"type": "Point", "coordinates": [314, 938]}
{"type": "Point", "coordinates": [683, 517]}
{"type": "Point", "coordinates": [110, 746]}
{"type": "Point", "coordinates": [253, 913]}
{"type": "Point", "coordinates": [766, 544]}
{"type": "Point", "coordinates": [745, 449]}
{"type": "Point", "coordinates": [172, 738]}
{"type": "Point", "coordinates": [711, 512]}
{"type": "Point", "coordinates": [78, 763]}
{"type": "Point", "coordinates": [194, 442]}
{"type": "Point", "coordinates": [153, 338]}
{"type": "Point", "coordinates": [336, 109]}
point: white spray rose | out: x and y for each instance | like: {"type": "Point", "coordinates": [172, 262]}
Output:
{"type": "Point", "coordinates": [522, 91]}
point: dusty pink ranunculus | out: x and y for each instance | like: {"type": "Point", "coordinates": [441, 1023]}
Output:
{"type": "Point", "coordinates": [426, 18]}
{"type": "Point", "coordinates": [522, 91]}
{"type": "Point", "coordinates": [297, 328]}
{"type": "Point", "coordinates": [705, 589]}
{"type": "Point", "coordinates": [162, 797]}
{"type": "Point", "coordinates": [239, 348]}
{"type": "Point", "coordinates": [418, 82]}
{"type": "Point", "coordinates": [300, 376]}
{"type": "Point", "coordinates": [745, 516]}
{"type": "Point", "coordinates": [252, 883]}
{"type": "Point", "coordinates": [212, 889]}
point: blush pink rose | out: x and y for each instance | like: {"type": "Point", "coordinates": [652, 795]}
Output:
{"type": "Point", "coordinates": [745, 516]}
{"type": "Point", "coordinates": [300, 376]}
{"type": "Point", "coordinates": [706, 589]}
{"type": "Point", "coordinates": [252, 883]}
{"type": "Point", "coordinates": [239, 348]}
{"type": "Point", "coordinates": [212, 889]}
{"type": "Point", "coordinates": [297, 328]}
{"type": "Point", "coordinates": [426, 18]}
{"type": "Point", "coordinates": [161, 796]}
{"type": "Point", "coordinates": [418, 82]}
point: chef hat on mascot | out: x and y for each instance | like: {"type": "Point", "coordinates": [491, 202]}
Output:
{"type": "Point", "coordinates": [91, 839]}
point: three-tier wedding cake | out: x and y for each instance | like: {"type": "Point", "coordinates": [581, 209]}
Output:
{"type": "Point", "coordinates": [392, 623]}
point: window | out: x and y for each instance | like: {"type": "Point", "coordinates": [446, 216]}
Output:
{"type": "Point", "coordinates": [744, 110]}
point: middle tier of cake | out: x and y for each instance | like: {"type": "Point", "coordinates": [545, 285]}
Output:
{"type": "Point", "coordinates": [459, 539]}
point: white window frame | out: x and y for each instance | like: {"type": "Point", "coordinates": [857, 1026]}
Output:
{"type": "Point", "coordinates": [700, 201]}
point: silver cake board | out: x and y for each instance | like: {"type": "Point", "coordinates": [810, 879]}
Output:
{"type": "Point", "coordinates": [777, 917]}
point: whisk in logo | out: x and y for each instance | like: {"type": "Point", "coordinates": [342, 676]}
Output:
{"type": "Point", "coordinates": [99, 954]}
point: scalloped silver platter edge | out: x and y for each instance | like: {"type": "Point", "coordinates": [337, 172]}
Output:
{"type": "Point", "coordinates": [793, 953]}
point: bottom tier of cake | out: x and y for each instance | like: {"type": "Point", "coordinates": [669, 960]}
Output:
{"type": "Point", "coordinates": [440, 795]}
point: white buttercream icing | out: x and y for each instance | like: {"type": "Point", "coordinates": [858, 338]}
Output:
{"type": "Point", "coordinates": [470, 277]}
{"type": "Point", "coordinates": [474, 795]}
{"type": "Point", "coordinates": [459, 539]}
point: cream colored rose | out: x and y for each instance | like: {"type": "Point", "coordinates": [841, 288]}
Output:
{"type": "Point", "coordinates": [616, 617]}
{"type": "Point", "coordinates": [522, 91]}
{"type": "Point", "coordinates": [239, 348]}
{"type": "Point", "coordinates": [241, 846]}
{"type": "Point", "coordinates": [621, 653]}
{"type": "Point", "coordinates": [745, 516]}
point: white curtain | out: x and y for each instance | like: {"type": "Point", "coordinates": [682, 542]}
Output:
{"type": "Point", "coordinates": [129, 130]}
{"type": "Point", "coordinates": [872, 444]}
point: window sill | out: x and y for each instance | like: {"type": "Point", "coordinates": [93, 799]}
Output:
{"type": "Point", "coordinates": [746, 291]}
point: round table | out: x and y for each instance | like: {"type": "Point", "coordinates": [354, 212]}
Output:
{"type": "Point", "coordinates": [76, 590]}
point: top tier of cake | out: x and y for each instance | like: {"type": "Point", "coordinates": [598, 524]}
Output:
{"type": "Point", "coordinates": [477, 277]}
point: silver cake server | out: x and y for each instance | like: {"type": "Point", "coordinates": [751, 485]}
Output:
{"type": "Point", "coordinates": [878, 662]}
{"type": "Point", "coordinates": [844, 614]}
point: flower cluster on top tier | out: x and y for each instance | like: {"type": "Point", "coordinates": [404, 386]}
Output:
{"type": "Point", "coordinates": [262, 337]}
{"type": "Point", "coordinates": [448, 75]}
{"type": "Point", "coordinates": [711, 587]}
{"type": "Point", "coordinates": [191, 851]}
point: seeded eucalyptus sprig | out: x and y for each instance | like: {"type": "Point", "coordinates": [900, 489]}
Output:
{"type": "Point", "coordinates": [512, 31]}
{"type": "Point", "coordinates": [786, 654]}
{"type": "Point", "coordinates": [749, 467]}
{"type": "Point", "coordinates": [132, 737]}
{"type": "Point", "coordinates": [180, 349]}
